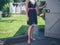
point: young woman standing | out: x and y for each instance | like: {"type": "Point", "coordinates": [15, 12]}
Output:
{"type": "Point", "coordinates": [31, 15]}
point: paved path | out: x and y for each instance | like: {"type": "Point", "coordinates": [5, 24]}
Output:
{"type": "Point", "coordinates": [40, 40]}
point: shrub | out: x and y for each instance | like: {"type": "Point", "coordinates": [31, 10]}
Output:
{"type": "Point", "coordinates": [5, 9]}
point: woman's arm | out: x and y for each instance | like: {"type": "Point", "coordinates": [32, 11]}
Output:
{"type": "Point", "coordinates": [37, 8]}
{"type": "Point", "coordinates": [27, 9]}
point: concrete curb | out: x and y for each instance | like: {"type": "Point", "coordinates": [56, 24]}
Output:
{"type": "Point", "coordinates": [17, 39]}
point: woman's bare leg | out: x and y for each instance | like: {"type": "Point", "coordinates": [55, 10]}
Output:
{"type": "Point", "coordinates": [29, 33]}
{"type": "Point", "coordinates": [32, 32]}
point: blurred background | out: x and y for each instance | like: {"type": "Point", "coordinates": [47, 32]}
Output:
{"type": "Point", "coordinates": [13, 17]}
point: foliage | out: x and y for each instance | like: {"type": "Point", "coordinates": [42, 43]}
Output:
{"type": "Point", "coordinates": [23, 0]}
{"type": "Point", "coordinates": [19, 0]}
{"type": "Point", "coordinates": [5, 9]}
{"type": "Point", "coordinates": [11, 1]}
{"type": "Point", "coordinates": [3, 2]}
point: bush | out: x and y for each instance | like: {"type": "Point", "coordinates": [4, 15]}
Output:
{"type": "Point", "coordinates": [5, 9]}
{"type": "Point", "coordinates": [2, 3]}
{"type": "Point", "coordinates": [17, 0]}
{"type": "Point", "coordinates": [11, 1]}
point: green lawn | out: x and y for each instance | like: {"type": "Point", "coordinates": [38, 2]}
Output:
{"type": "Point", "coordinates": [15, 25]}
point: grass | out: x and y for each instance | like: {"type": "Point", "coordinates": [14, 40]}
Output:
{"type": "Point", "coordinates": [15, 25]}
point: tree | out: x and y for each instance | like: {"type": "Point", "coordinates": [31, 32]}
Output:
{"type": "Point", "coordinates": [11, 1]}
{"type": "Point", "coordinates": [17, 0]}
{"type": "Point", "coordinates": [23, 0]}
{"type": "Point", "coordinates": [4, 6]}
{"type": "Point", "coordinates": [3, 2]}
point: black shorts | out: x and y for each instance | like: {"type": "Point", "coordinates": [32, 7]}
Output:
{"type": "Point", "coordinates": [32, 14]}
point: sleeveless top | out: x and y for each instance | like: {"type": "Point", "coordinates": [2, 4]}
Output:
{"type": "Point", "coordinates": [31, 4]}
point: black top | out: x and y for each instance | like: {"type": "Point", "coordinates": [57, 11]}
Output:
{"type": "Point", "coordinates": [30, 5]}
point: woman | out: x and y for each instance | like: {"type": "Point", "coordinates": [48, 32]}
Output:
{"type": "Point", "coordinates": [31, 15]}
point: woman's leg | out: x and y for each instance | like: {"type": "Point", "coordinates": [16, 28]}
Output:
{"type": "Point", "coordinates": [30, 31]}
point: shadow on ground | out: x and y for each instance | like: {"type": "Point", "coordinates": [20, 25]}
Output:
{"type": "Point", "coordinates": [22, 30]}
